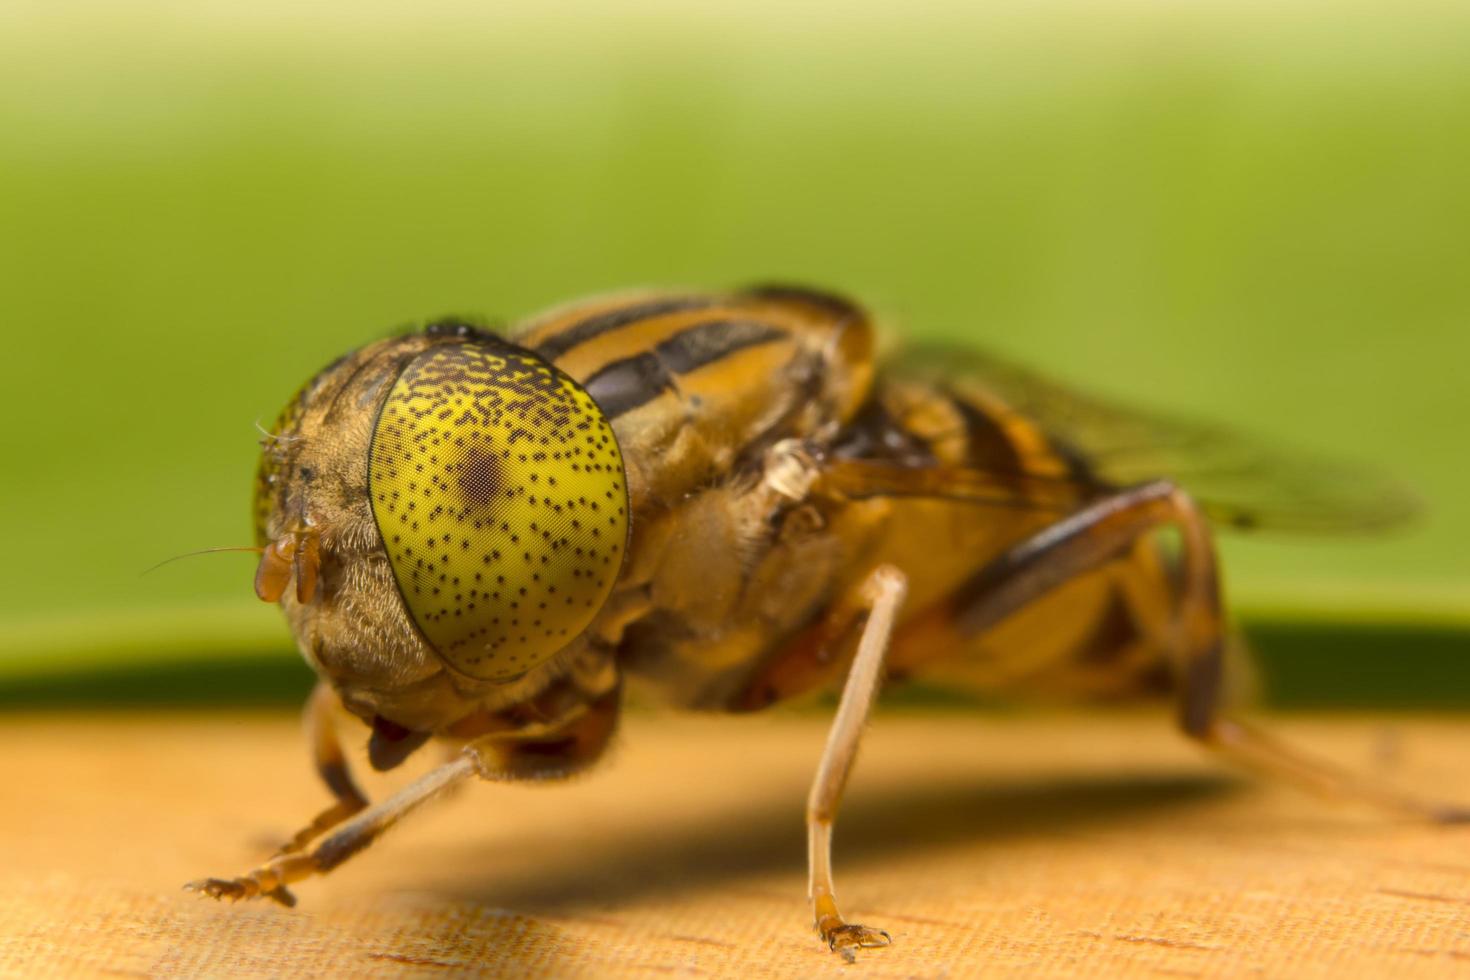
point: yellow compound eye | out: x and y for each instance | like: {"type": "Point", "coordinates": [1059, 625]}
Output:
{"type": "Point", "coordinates": [497, 485]}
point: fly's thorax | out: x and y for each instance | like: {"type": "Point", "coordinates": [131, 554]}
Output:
{"type": "Point", "coordinates": [698, 384]}
{"type": "Point", "coordinates": [445, 504]}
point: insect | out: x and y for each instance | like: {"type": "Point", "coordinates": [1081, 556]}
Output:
{"type": "Point", "coordinates": [733, 500]}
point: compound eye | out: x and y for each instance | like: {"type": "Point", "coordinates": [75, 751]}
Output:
{"type": "Point", "coordinates": [499, 491]}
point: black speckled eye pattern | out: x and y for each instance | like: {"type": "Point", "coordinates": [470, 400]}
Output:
{"type": "Point", "coordinates": [499, 490]}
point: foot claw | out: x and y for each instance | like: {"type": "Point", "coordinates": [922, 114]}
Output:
{"type": "Point", "coordinates": [847, 937]}
{"type": "Point", "coordinates": [232, 888]}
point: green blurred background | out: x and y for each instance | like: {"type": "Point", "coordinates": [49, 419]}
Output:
{"type": "Point", "coordinates": [1258, 213]}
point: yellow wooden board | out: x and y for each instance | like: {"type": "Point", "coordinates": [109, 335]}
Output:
{"type": "Point", "coordinates": [1032, 846]}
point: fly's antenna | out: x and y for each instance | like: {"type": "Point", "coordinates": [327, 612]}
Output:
{"type": "Point", "coordinates": [201, 551]}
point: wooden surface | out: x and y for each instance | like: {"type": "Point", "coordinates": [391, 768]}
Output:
{"type": "Point", "coordinates": [1101, 846]}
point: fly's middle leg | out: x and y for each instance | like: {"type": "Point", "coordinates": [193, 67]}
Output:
{"type": "Point", "coordinates": [883, 592]}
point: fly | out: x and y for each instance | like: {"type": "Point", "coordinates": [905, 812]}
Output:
{"type": "Point", "coordinates": [733, 501]}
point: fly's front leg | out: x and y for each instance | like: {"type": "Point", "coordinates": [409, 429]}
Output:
{"type": "Point", "coordinates": [500, 756]}
{"type": "Point", "coordinates": [883, 592]}
{"type": "Point", "coordinates": [331, 766]}
{"type": "Point", "coordinates": [270, 879]}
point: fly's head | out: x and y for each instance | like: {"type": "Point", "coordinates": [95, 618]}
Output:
{"type": "Point", "coordinates": [441, 502]}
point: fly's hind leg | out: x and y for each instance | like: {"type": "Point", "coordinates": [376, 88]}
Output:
{"type": "Point", "coordinates": [1204, 649]}
{"type": "Point", "coordinates": [1250, 748]}
{"type": "Point", "coordinates": [883, 593]}
{"type": "Point", "coordinates": [331, 765]}
{"type": "Point", "coordinates": [1107, 529]}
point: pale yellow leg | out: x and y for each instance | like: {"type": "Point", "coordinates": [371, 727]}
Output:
{"type": "Point", "coordinates": [884, 592]}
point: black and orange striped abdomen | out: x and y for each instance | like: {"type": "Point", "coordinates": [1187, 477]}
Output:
{"type": "Point", "coordinates": [1102, 634]}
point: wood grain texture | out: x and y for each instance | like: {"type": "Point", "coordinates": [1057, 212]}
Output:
{"type": "Point", "coordinates": [1033, 846]}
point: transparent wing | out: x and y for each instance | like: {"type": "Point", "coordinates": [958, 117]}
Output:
{"type": "Point", "coordinates": [1239, 480]}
